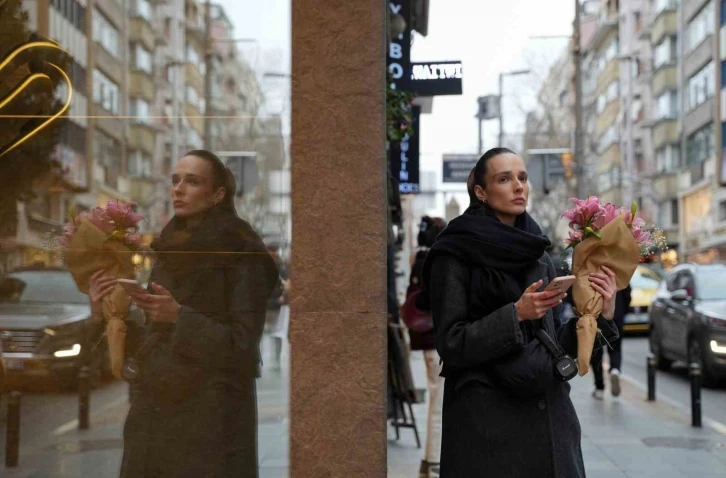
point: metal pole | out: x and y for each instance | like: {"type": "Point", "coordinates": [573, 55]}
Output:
{"type": "Point", "coordinates": [695, 373]}
{"type": "Point", "coordinates": [12, 431]}
{"type": "Point", "coordinates": [629, 123]}
{"type": "Point", "coordinates": [501, 110]}
{"type": "Point", "coordinates": [481, 142]}
{"type": "Point", "coordinates": [579, 153]}
{"type": "Point", "coordinates": [651, 365]}
{"type": "Point", "coordinates": [207, 75]}
{"type": "Point", "coordinates": [84, 399]}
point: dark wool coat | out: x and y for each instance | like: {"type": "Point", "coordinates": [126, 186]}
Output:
{"type": "Point", "coordinates": [193, 413]}
{"type": "Point", "coordinates": [505, 414]}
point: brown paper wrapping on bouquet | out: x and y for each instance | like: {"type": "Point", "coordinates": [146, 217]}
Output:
{"type": "Point", "coordinates": [617, 250]}
{"type": "Point", "coordinates": [88, 253]}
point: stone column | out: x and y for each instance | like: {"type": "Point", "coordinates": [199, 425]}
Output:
{"type": "Point", "coordinates": [338, 322]}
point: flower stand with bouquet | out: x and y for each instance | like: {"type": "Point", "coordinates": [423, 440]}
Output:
{"type": "Point", "coordinates": [105, 239]}
{"type": "Point", "coordinates": [602, 235]}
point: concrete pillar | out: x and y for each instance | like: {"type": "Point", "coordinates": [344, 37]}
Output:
{"type": "Point", "coordinates": [338, 322]}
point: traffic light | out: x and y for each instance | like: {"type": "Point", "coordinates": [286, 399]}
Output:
{"type": "Point", "coordinates": [567, 163]}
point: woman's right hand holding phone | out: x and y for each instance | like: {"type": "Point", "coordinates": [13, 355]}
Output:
{"type": "Point", "coordinates": [534, 305]}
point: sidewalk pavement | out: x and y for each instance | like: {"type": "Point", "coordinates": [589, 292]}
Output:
{"type": "Point", "coordinates": [622, 437]}
{"type": "Point", "coordinates": [96, 453]}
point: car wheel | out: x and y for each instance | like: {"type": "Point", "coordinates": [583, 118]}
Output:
{"type": "Point", "coordinates": [656, 347]}
{"type": "Point", "coordinates": [695, 355]}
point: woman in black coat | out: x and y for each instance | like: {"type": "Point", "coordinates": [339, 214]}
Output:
{"type": "Point", "coordinates": [505, 413]}
{"type": "Point", "coordinates": [193, 412]}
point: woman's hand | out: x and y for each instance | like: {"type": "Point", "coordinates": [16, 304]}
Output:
{"type": "Point", "coordinates": [160, 307]}
{"type": "Point", "coordinates": [534, 305]}
{"type": "Point", "coordinates": [605, 283]}
{"type": "Point", "coordinates": [100, 285]}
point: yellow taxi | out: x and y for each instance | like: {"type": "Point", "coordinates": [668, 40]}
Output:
{"type": "Point", "coordinates": [644, 285]}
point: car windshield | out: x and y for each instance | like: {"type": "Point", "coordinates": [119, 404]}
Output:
{"type": "Point", "coordinates": [644, 280]}
{"type": "Point", "coordinates": [712, 284]}
{"type": "Point", "coordinates": [49, 287]}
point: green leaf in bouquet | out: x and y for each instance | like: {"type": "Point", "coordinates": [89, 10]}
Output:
{"type": "Point", "coordinates": [591, 232]}
{"type": "Point", "coordinates": [114, 235]}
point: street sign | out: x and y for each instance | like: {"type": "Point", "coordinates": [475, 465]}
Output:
{"type": "Point", "coordinates": [488, 107]}
{"type": "Point", "coordinates": [437, 78]}
{"type": "Point", "coordinates": [243, 165]}
{"type": "Point", "coordinates": [456, 167]}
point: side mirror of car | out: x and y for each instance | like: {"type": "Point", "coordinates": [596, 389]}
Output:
{"type": "Point", "coordinates": [681, 295]}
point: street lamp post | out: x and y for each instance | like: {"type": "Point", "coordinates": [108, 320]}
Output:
{"type": "Point", "coordinates": [501, 102]}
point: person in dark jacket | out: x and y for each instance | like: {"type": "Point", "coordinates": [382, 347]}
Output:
{"type": "Point", "coordinates": [615, 350]}
{"type": "Point", "coordinates": [193, 412]}
{"type": "Point", "coordinates": [505, 413]}
{"type": "Point", "coordinates": [429, 229]}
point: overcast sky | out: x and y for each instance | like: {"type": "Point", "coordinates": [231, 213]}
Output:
{"type": "Point", "coordinates": [488, 36]}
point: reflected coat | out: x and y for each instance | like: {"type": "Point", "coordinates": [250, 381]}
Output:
{"type": "Point", "coordinates": [193, 412]}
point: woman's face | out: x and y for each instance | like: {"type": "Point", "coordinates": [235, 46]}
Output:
{"type": "Point", "coordinates": [506, 186]}
{"type": "Point", "coordinates": [192, 189]}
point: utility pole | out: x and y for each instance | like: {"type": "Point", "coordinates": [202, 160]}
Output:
{"type": "Point", "coordinates": [579, 153]}
{"type": "Point", "coordinates": [501, 111]}
{"type": "Point", "coordinates": [208, 55]}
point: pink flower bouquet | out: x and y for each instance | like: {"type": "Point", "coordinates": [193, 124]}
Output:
{"type": "Point", "coordinates": [602, 234]}
{"type": "Point", "coordinates": [104, 239]}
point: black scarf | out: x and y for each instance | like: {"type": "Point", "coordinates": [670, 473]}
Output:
{"type": "Point", "coordinates": [498, 255]}
{"type": "Point", "coordinates": [191, 258]}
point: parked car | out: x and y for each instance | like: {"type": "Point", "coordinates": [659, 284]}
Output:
{"type": "Point", "coordinates": [688, 318]}
{"type": "Point", "coordinates": [643, 285]}
{"type": "Point", "coordinates": [45, 328]}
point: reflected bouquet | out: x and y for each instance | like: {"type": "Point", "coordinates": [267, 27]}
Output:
{"type": "Point", "coordinates": [602, 234]}
{"type": "Point", "coordinates": [105, 239]}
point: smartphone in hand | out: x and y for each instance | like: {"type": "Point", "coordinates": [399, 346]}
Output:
{"type": "Point", "coordinates": [561, 284]}
{"type": "Point", "coordinates": [131, 285]}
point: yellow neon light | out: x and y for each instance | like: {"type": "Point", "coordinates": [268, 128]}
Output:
{"type": "Point", "coordinates": [19, 89]}
{"type": "Point", "coordinates": [49, 120]}
{"type": "Point", "coordinates": [16, 91]}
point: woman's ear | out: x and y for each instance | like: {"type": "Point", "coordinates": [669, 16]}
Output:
{"type": "Point", "coordinates": [480, 194]}
{"type": "Point", "coordinates": [219, 195]}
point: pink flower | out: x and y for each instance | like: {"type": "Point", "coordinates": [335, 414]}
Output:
{"type": "Point", "coordinates": [608, 212]}
{"type": "Point", "coordinates": [641, 236]}
{"type": "Point", "coordinates": [123, 214]}
{"type": "Point", "coordinates": [584, 211]}
{"type": "Point", "coordinates": [575, 237]}
{"type": "Point", "coordinates": [133, 240]}
{"type": "Point", "coordinates": [64, 241]}
{"type": "Point", "coordinates": [100, 219]}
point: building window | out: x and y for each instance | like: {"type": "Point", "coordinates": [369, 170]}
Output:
{"type": "Point", "coordinates": [700, 86]}
{"type": "Point", "coordinates": [192, 97]}
{"type": "Point", "coordinates": [140, 110]}
{"type": "Point", "coordinates": [142, 59]}
{"type": "Point", "coordinates": [139, 165]}
{"type": "Point", "coordinates": [609, 137]}
{"type": "Point", "coordinates": [105, 92]}
{"type": "Point", "coordinates": [105, 33]}
{"type": "Point", "coordinates": [700, 145]}
{"type": "Point", "coordinates": [609, 179]}
{"type": "Point", "coordinates": [107, 153]}
{"type": "Point", "coordinates": [72, 11]}
{"type": "Point", "coordinates": [661, 5]}
{"type": "Point", "coordinates": [668, 158]}
{"type": "Point", "coordinates": [193, 57]}
{"type": "Point", "coordinates": [611, 93]}
{"type": "Point", "coordinates": [142, 8]}
{"type": "Point", "coordinates": [675, 213]}
{"type": "Point", "coordinates": [701, 26]}
{"type": "Point", "coordinates": [666, 105]}
{"type": "Point", "coordinates": [665, 52]}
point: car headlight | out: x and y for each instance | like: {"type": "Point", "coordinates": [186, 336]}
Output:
{"type": "Point", "coordinates": [718, 348]}
{"type": "Point", "coordinates": [72, 351]}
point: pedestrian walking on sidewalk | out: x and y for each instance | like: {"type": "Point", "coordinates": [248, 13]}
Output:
{"type": "Point", "coordinates": [429, 229]}
{"type": "Point", "coordinates": [193, 413]}
{"type": "Point", "coordinates": [615, 350]}
{"type": "Point", "coordinates": [505, 413]}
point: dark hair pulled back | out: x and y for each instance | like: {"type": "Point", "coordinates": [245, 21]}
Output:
{"type": "Point", "coordinates": [477, 175]}
{"type": "Point", "coordinates": [222, 177]}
